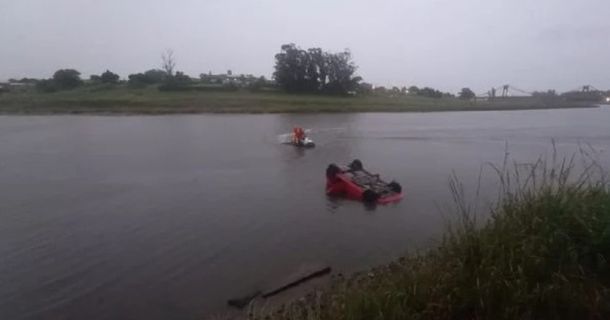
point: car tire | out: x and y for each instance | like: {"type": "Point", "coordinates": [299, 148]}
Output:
{"type": "Point", "coordinates": [369, 196]}
{"type": "Point", "coordinates": [332, 171]}
{"type": "Point", "coordinates": [395, 187]}
{"type": "Point", "coordinates": [356, 165]}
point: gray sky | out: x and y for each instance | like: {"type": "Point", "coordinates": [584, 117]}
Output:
{"type": "Point", "coordinates": [446, 44]}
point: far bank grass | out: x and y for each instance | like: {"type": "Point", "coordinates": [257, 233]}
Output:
{"type": "Point", "coordinates": [126, 100]}
{"type": "Point", "coordinates": [544, 254]}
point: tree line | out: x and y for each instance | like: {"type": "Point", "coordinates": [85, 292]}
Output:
{"type": "Point", "coordinates": [296, 70]}
{"type": "Point", "coordinates": [315, 71]}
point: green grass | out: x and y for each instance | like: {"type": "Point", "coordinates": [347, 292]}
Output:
{"type": "Point", "coordinates": [125, 100]}
{"type": "Point", "coordinates": [543, 254]}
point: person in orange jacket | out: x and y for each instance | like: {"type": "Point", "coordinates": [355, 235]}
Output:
{"type": "Point", "coordinates": [298, 134]}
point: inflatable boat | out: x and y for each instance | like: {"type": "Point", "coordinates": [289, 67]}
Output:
{"type": "Point", "coordinates": [304, 143]}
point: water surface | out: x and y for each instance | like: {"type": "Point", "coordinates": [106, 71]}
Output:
{"type": "Point", "coordinates": [157, 217]}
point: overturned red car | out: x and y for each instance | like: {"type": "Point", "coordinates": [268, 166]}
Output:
{"type": "Point", "coordinates": [356, 183]}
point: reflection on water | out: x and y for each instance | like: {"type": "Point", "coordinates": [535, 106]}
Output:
{"type": "Point", "coordinates": [332, 204]}
{"type": "Point", "coordinates": [168, 216]}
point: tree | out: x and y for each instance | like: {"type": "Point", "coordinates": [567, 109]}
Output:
{"type": "Point", "coordinates": [109, 77]}
{"type": "Point", "coordinates": [136, 79]}
{"type": "Point", "coordinates": [168, 62]}
{"type": "Point", "coordinates": [67, 79]}
{"type": "Point", "coordinates": [413, 90]}
{"type": "Point", "coordinates": [290, 68]}
{"type": "Point", "coordinates": [155, 76]}
{"type": "Point", "coordinates": [466, 94]}
{"type": "Point", "coordinates": [430, 93]}
{"type": "Point", "coordinates": [395, 91]}
{"type": "Point", "coordinates": [315, 71]}
{"type": "Point", "coordinates": [257, 84]}
{"type": "Point", "coordinates": [24, 80]}
{"type": "Point", "coordinates": [341, 69]}
{"type": "Point", "coordinates": [365, 88]}
{"type": "Point", "coordinates": [179, 81]}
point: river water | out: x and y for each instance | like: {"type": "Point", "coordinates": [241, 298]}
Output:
{"type": "Point", "coordinates": [158, 217]}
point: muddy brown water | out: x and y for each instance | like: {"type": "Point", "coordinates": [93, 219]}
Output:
{"type": "Point", "coordinates": [158, 217]}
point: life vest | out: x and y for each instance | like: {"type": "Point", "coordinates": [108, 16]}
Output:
{"type": "Point", "coordinates": [298, 134]}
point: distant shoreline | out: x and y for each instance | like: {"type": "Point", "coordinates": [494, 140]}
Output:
{"type": "Point", "coordinates": [119, 111]}
{"type": "Point", "coordinates": [149, 101]}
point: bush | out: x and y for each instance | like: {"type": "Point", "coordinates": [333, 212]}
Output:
{"type": "Point", "coordinates": [153, 76]}
{"type": "Point", "coordinates": [467, 94]}
{"type": "Point", "coordinates": [46, 85]}
{"type": "Point", "coordinates": [429, 92]}
{"type": "Point", "coordinates": [257, 84]}
{"type": "Point", "coordinates": [178, 82]}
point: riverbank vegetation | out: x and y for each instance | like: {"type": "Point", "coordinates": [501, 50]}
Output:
{"type": "Point", "coordinates": [543, 254]}
{"type": "Point", "coordinates": [309, 80]}
{"type": "Point", "coordinates": [123, 99]}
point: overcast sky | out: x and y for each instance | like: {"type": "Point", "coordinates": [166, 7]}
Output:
{"type": "Point", "coordinates": [446, 44]}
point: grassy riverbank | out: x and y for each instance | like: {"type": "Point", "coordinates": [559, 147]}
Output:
{"type": "Point", "coordinates": [126, 100]}
{"type": "Point", "coordinates": [544, 254]}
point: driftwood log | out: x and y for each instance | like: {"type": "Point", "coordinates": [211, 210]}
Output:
{"type": "Point", "coordinates": [296, 279]}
